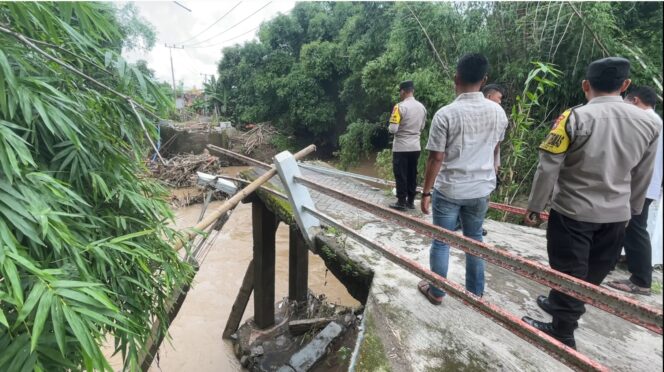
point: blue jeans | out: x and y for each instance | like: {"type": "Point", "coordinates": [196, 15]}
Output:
{"type": "Point", "coordinates": [446, 211]}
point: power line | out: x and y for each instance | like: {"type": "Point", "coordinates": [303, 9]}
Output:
{"type": "Point", "coordinates": [210, 26]}
{"type": "Point", "coordinates": [182, 6]}
{"type": "Point", "coordinates": [230, 28]}
{"type": "Point", "coordinates": [223, 41]}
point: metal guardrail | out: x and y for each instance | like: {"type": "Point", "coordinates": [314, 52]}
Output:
{"type": "Point", "coordinates": [336, 172]}
{"type": "Point", "coordinates": [630, 310]}
{"type": "Point", "coordinates": [633, 311]}
{"type": "Point", "coordinates": [541, 340]}
{"type": "Point", "coordinates": [602, 298]}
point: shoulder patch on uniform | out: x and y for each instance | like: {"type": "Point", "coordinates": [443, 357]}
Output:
{"type": "Point", "coordinates": [395, 118]}
{"type": "Point", "coordinates": [557, 141]}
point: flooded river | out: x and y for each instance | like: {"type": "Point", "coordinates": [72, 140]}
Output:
{"type": "Point", "coordinates": [195, 335]}
{"type": "Point", "coordinates": [196, 343]}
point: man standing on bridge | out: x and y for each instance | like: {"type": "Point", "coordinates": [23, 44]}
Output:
{"type": "Point", "coordinates": [638, 250]}
{"type": "Point", "coordinates": [594, 167]}
{"type": "Point", "coordinates": [406, 123]}
{"type": "Point", "coordinates": [463, 139]}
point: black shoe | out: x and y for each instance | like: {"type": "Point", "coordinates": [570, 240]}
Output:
{"type": "Point", "coordinates": [549, 330]}
{"type": "Point", "coordinates": [410, 205]}
{"type": "Point", "coordinates": [543, 303]}
{"type": "Point", "coordinates": [484, 232]}
{"type": "Point", "coordinates": [400, 205]}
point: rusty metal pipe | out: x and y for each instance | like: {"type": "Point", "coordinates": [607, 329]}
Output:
{"type": "Point", "coordinates": [550, 345]}
{"type": "Point", "coordinates": [232, 202]}
{"type": "Point", "coordinates": [609, 301]}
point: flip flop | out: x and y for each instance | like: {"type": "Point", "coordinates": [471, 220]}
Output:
{"type": "Point", "coordinates": [626, 285]}
{"type": "Point", "coordinates": [425, 288]}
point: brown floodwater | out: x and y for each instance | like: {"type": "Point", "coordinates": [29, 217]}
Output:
{"type": "Point", "coordinates": [196, 343]}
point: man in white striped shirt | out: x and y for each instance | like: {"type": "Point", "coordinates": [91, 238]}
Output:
{"type": "Point", "coordinates": [638, 250]}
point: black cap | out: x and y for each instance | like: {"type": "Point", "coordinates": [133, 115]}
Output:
{"type": "Point", "coordinates": [610, 68]}
{"type": "Point", "coordinates": [406, 85]}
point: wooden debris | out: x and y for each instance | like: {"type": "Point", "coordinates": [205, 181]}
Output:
{"type": "Point", "coordinates": [180, 170]}
{"type": "Point", "coordinates": [259, 135]}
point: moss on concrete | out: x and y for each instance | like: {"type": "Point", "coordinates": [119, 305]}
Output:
{"type": "Point", "coordinates": [372, 357]}
{"type": "Point", "coordinates": [352, 274]}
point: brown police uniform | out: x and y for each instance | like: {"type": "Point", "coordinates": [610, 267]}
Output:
{"type": "Point", "coordinates": [595, 166]}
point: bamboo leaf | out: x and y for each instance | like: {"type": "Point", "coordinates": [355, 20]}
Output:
{"type": "Point", "coordinates": [40, 318]}
{"type": "Point", "coordinates": [30, 302]}
{"type": "Point", "coordinates": [14, 280]}
{"type": "Point", "coordinates": [58, 325]}
{"type": "Point", "coordinates": [79, 330]}
{"type": "Point", "coordinates": [3, 318]}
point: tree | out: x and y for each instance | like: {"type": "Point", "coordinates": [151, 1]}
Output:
{"type": "Point", "coordinates": [136, 32]}
{"type": "Point", "coordinates": [328, 64]}
{"type": "Point", "coordinates": [85, 242]}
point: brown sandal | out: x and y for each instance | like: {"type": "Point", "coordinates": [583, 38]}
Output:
{"type": "Point", "coordinates": [425, 288]}
{"type": "Point", "coordinates": [626, 285]}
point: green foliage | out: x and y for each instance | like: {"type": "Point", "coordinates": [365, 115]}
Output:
{"type": "Point", "coordinates": [328, 64]}
{"type": "Point", "coordinates": [384, 164]}
{"type": "Point", "coordinates": [357, 142]}
{"type": "Point", "coordinates": [136, 32]}
{"type": "Point", "coordinates": [520, 148]}
{"type": "Point", "coordinates": [85, 250]}
{"type": "Point", "coordinates": [284, 143]}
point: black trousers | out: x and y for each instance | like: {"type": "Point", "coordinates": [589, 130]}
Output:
{"type": "Point", "coordinates": [405, 174]}
{"type": "Point", "coordinates": [637, 248]}
{"type": "Point", "coordinates": [584, 250]}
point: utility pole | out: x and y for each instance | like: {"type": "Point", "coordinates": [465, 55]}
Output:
{"type": "Point", "coordinates": [204, 95]}
{"type": "Point", "coordinates": [170, 51]}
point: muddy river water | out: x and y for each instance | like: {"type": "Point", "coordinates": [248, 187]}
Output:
{"type": "Point", "coordinates": [196, 343]}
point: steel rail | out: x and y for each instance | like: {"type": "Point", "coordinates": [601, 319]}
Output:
{"type": "Point", "coordinates": [240, 157]}
{"type": "Point", "coordinates": [544, 216]}
{"type": "Point", "coordinates": [609, 301]}
{"type": "Point", "coordinates": [541, 340]}
{"type": "Point", "coordinates": [633, 311]}
{"type": "Point", "coordinates": [335, 172]}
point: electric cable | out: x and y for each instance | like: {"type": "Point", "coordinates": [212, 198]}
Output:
{"type": "Point", "coordinates": [210, 26]}
{"type": "Point", "coordinates": [230, 28]}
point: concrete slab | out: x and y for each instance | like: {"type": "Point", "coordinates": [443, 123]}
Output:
{"type": "Point", "coordinates": [417, 336]}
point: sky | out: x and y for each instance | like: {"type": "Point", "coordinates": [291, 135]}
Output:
{"type": "Point", "coordinates": [175, 25]}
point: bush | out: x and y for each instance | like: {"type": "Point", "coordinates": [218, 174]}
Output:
{"type": "Point", "coordinates": [356, 142]}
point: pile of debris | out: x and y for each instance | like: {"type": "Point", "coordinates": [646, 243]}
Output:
{"type": "Point", "coordinates": [316, 336]}
{"type": "Point", "coordinates": [180, 170]}
{"type": "Point", "coordinates": [259, 135]}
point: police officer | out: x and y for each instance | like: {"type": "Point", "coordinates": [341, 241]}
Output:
{"type": "Point", "coordinates": [406, 123]}
{"type": "Point", "coordinates": [594, 168]}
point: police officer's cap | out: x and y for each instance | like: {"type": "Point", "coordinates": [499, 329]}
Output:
{"type": "Point", "coordinates": [611, 68]}
{"type": "Point", "coordinates": [407, 85]}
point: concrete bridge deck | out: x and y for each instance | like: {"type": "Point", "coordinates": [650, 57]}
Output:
{"type": "Point", "coordinates": [406, 333]}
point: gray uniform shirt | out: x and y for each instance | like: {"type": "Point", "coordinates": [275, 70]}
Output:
{"type": "Point", "coordinates": [467, 131]}
{"type": "Point", "coordinates": [597, 161]}
{"type": "Point", "coordinates": [407, 122]}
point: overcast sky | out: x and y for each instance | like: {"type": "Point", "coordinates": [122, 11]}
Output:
{"type": "Point", "coordinates": [173, 24]}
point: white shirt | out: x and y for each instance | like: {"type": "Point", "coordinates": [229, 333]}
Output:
{"type": "Point", "coordinates": [656, 180]}
{"type": "Point", "coordinates": [467, 131]}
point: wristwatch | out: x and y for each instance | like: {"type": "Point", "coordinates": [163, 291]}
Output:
{"type": "Point", "coordinates": [426, 194]}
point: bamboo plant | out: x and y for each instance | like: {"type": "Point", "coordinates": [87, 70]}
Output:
{"type": "Point", "coordinates": [85, 247]}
